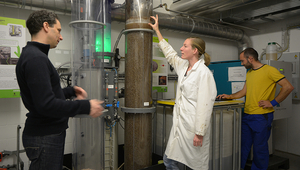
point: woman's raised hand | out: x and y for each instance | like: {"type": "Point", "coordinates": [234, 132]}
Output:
{"type": "Point", "coordinates": [155, 25]}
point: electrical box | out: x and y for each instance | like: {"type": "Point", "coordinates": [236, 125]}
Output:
{"type": "Point", "coordinates": [60, 58]}
{"type": "Point", "coordinates": [293, 57]}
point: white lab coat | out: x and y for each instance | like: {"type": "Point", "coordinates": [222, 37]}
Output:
{"type": "Point", "coordinates": [196, 93]}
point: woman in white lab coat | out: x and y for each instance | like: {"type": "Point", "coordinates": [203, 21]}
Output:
{"type": "Point", "coordinates": [196, 92]}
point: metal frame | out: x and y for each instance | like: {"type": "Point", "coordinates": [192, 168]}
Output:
{"type": "Point", "coordinates": [237, 109]}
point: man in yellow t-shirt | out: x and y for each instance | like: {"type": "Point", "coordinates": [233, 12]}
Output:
{"type": "Point", "coordinates": [259, 90]}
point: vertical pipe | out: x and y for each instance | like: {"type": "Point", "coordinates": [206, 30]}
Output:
{"type": "Point", "coordinates": [221, 140]}
{"type": "Point", "coordinates": [154, 129]}
{"type": "Point", "coordinates": [239, 136]}
{"type": "Point", "coordinates": [213, 139]}
{"type": "Point", "coordinates": [18, 146]}
{"type": "Point", "coordinates": [138, 84]}
{"type": "Point", "coordinates": [233, 140]}
{"type": "Point", "coordinates": [164, 131]}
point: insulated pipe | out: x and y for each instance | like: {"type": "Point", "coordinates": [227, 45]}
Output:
{"type": "Point", "coordinates": [190, 25]}
{"type": "Point", "coordinates": [138, 84]}
{"type": "Point", "coordinates": [199, 7]}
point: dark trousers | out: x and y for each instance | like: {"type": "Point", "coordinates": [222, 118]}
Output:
{"type": "Point", "coordinates": [174, 165]}
{"type": "Point", "coordinates": [45, 152]}
{"type": "Point", "coordinates": [256, 130]}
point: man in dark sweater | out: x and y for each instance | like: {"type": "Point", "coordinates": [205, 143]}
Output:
{"type": "Point", "coordinates": [49, 111]}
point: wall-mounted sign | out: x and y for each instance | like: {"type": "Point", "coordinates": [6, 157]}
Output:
{"type": "Point", "coordinates": [12, 40]}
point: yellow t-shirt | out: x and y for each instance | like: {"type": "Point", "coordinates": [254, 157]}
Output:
{"type": "Point", "coordinates": [261, 85]}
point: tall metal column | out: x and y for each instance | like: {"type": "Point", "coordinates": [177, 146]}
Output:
{"type": "Point", "coordinates": [138, 85]}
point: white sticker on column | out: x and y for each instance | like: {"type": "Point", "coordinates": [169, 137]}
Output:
{"type": "Point", "coordinates": [146, 103]}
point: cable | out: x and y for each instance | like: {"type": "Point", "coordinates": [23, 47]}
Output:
{"type": "Point", "coordinates": [121, 124]}
{"type": "Point", "coordinates": [117, 41]}
{"type": "Point", "coordinates": [115, 70]}
{"type": "Point", "coordinates": [110, 127]}
{"type": "Point", "coordinates": [58, 67]}
{"type": "Point", "coordinates": [281, 51]}
{"type": "Point", "coordinates": [66, 168]}
{"type": "Point", "coordinates": [121, 166]}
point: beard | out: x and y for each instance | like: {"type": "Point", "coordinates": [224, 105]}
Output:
{"type": "Point", "coordinates": [248, 66]}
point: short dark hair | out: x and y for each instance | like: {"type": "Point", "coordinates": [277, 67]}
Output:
{"type": "Point", "coordinates": [250, 52]}
{"type": "Point", "coordinates": [36, 19]}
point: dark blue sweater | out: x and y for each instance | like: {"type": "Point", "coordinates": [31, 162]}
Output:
{"type": "Point", "coordinates": [42, 94]}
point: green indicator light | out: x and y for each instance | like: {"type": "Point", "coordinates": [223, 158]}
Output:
{"type": "Point", "coordinates": [281, 69]}
{"type": "Point", "coordinates": [107, 40]}
{"type": "Point", "coordinates": [98, 41]}
{"type": "Point", "coordinates": [103, 42]}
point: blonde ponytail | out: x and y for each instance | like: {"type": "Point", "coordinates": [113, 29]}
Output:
{"type": "Point", "coordinates": [206, 59]}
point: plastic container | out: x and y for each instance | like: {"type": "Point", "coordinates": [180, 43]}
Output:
{"type": "Point", "coordinates": [271, 51]}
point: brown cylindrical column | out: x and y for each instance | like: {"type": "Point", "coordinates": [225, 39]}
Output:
{"type": "Point", "coordinates": [138, 85]}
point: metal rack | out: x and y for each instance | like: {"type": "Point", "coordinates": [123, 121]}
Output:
{"type": "Point", "coordinates": [225, 152]}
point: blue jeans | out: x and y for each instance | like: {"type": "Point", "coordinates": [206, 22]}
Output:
{"type": "Point", "coordinates": [256, 130]}
{"type": "Point", "coordinates": [172, 164]}
{"type": "Point", "coordinates": [45, 152]}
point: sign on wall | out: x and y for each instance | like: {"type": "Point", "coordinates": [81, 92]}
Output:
{"type": "Point", "coordinates": [12, 40]}
{"type": "Point", "coordinates": [159, 68]}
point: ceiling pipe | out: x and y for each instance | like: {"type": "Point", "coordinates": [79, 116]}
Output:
{"type": "Point", "coordinates": [198, 7]}
{"type": "Point", "coordinates": [190, 25]}
{"type": "Point", "coordinates": [203, 18]}
{"type": "Point", "coordinates": [177, 23]}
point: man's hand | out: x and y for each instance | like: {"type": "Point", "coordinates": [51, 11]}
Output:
{"type": "Point", "coordinates": [265, 104]}
{"type": "Point", "coordinates": [198, 140]}
{"type": "Point", "coordinates": [223, 96]}
{"type": "Point", "coordinates": [80, 93]}
{"type": "Point", "coordinates": [96, 108]}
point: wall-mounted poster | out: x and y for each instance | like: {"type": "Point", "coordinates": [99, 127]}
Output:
{"type": "Point", "coordinates": [12, 40]}
{"type": "Point", "coordinates": [159, 69]}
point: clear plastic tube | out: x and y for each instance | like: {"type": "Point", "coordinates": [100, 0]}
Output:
{"type": "Point", "coordinates": [88, 73]}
